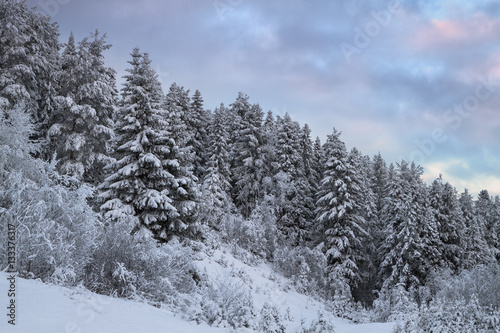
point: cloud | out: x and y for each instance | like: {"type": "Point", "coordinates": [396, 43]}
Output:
{"type": "Point", "coordinates": [450, 34]}
{"type": "Point", "coordinates": [286, 53]}
{"type": "Point", "coordinates": [462, 176]}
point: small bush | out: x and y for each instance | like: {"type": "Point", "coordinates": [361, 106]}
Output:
{"type": "Point", "coordinates": [319, 325]}
{"type": "Point", "coordinates": [226, 301]}
{"type": "Point", "coordinates": [270, 320]}
{"type": "Point", "coordinates": [137, 266]}
{"type": "Point", "coordinates": [459, 316]}
{"type": "Point", "coordinates": [305, 267]}
{"type": "Point", "coordinates": [468, 302]}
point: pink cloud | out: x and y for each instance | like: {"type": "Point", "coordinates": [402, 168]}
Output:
{"type": "Point", "coordinates": [440, 34]}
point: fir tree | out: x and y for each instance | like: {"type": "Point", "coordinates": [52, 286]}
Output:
{"type": "Point", "coordinates": [364, 197]}
{"type": "Point", "coordinates": [485, 208]}
{"type": "Point", "coordinates": [216, 186]}
{"type": "Point", "coordinates": [197, 123]}
{"type": "Point", "coordinates": [476, 250]}
{"type": "Point", "coordinates": [338, 213]}
{"type": "Point", "coordinates": [247, 154]}
{"type": "Point", "coordinates": [379, 183]}
{"type": "Point", "coordinates": [308, 182]}
{"type": "Point", "coordinates": [292, 189]}
{"type": "Point", "coordinates": [318, 162]}
{"type": "Point", "coordinates": [444, 204]}
{"type": "Point", "coordinates": [176, 106]}
{"type": "Point", "coordinates": [270, 139]}
{"type": "Point", "coordinates": [29, 55]}
{"type": "Point", "coordinates": [143, 185]}
{"type": "Point", "coordinates": [179, 160]}
{"type": "Point", "coordinates": [412, 243]}
{"type": "Point", "coordinates": [82, 122]}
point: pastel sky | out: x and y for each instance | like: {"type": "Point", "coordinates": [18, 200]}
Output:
{"type": "Point", "coordinates": [415, 80]}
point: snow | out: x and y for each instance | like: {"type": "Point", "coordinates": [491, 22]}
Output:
{"type": "Point", "coordinates": [268, 286]}
{"type": "Point", "coordinates": [49, 309]}
{"type": "Point", "coordinates": [45, 308]}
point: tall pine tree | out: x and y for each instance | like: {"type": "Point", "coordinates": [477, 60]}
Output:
{"type": "Point", "coordinates": [338, 213]}
{"type": "Point", "coordinates": [82, 122]}
{"type": "Point", "coordinates": [411, 248]}
{"type": "Point", "coordinates": [29, 56]}
{"type": "Point", "coordinates": [143, 185]}
{"type": "Point", "coordinates": [216, 187]}
{"type": "Point", "coordinates": [444, 204]}
{"type": "Point", "coordinates": [476, 250]}
{"type": "Point", "coordinates": [248, 164]}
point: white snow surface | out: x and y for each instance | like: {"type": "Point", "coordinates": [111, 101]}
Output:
{"type": "Point", "coordinates": [43, 308]}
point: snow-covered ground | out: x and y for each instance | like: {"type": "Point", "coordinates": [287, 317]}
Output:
{"type": "Point", "coordinates": [45, 308]}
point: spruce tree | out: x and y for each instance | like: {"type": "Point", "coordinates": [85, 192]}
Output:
{"type": "Point", "coordinates": [291, 185]}
{"type": "Point", "coordinates": [318, 162]}
{"type": "Point", "coordinates": [486, 209]}
{"type": "Point", "coordinates": [338, 213]}
{"type": "Point", "coordinates": [179, 160]}
{"type": "Point", "coordinates": [444, 204]}
{"type": "Point", "coordinates": [216, 187]}
{"type": "Point", "coordinates": [363, 195]}
{"type": "Point", "coordinates": [247, 155]}
{"type": "Point", "coordinates": [270, 141]}
{"type": "Point", "coordinates": [308, 182]}
{"type": "Point", "coordinates": [476, 250]}
{"type": "Point", "coordinates": [197, 123]}
{"type": "Point", "coordinates": [412, 243]}
{"type": "Point", "coordinates": [143, 185]}
{"type": "Point", "coordinates": [82, 122]}
{"type": "Point", "coordinates": [29, 55]}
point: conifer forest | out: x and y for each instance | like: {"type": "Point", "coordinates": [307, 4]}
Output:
{"type": "Point", "coordinates": [121, 188]}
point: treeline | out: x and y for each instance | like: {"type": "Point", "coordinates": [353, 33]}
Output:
{"type": "Point", "coordinates": [161, 164]}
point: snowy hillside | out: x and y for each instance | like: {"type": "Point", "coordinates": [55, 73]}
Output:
{"type": "Point", "coordinates": [199, 219]}
{"type": "Point", "coordinates": [45, 308]}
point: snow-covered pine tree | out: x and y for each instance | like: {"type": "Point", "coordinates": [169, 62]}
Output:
{"type": "Point", "coordinates": [496, 226]}
{"type": "Point", "coordinates": [379, 183]}
{"type": "Point", "coordinates": [177, 110]}
{"type": "Point", "coordinates": [292, 192]}
{"type": "Point", "coordinates": [339, 215]}
{"type": "Point", "coordinates": [485, 208]}
{"type": "Point", "coordinates": [29, 55]}
{"type": "Point", "coordinates": [142, 185]}
{"type": "Point", "coordinates": [365, 198]}
{"type": "Point", "coordinates": [308, 157]}
{"type": "Point", "coordinates": [308, 183]}
{"type": "Point", "coordinates": [412, 243]}
{"type": "Point", "coordinates": [216, 187]}
{"type": "Point", "coordinates": [179, 159]}
{"type": "Point", "coordinates": [69, 73]}
{"type": "Point", "coordinates": [318, 161]}
{"type": "Point", "coordinates": [270, 139]}
{"type": "Point", "coordinates": [197, 122]}
{"type": "Point", "coordinates": [247, 155]}
{"type": "Point", "coordinates": [476, 250]}
{"type": "Point", "coordinates": [444, 204]}
{"type": "Point", "coordinates": [289, 159]}
{"type": "Point", "coordinates": [81, 124]}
